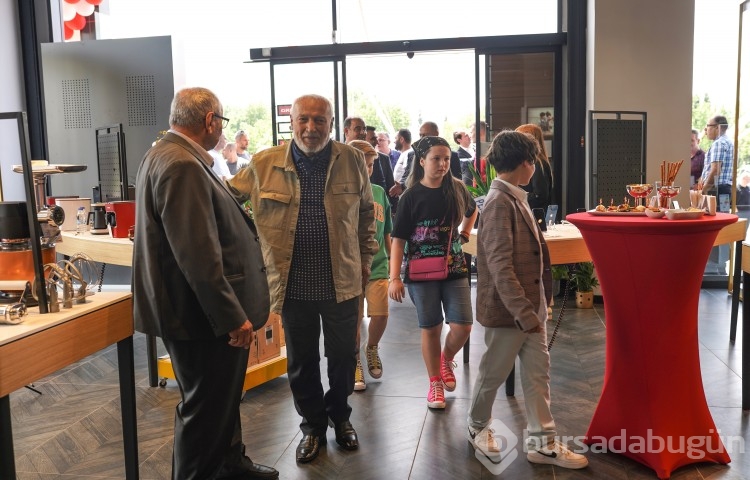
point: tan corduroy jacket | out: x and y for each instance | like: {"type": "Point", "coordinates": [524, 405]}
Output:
{"type": "Point", "coordinates": [272, 184]}
{"type": "Point", "coordinates": [508, 256]}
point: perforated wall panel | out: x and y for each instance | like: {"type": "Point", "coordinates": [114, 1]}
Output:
{"type": "Point", "coordinates": [111, 183]}
{"type": "Point", "coordinates": [141, 100]}
{"type": "Point", "coordinates": [618, 158]}
{"type": "Point", "coordinates": [76, 99]}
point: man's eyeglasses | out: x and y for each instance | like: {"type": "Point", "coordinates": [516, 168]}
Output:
{"type": "Point", "coordinates": [224, 120]}
{"type": "Point", "coordinates": [712, 125]}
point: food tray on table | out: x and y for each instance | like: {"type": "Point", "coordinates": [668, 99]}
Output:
{"type": "Point", "coordinates": [684, 214]}
{"type": "Point", "coordinates": [616, 214]}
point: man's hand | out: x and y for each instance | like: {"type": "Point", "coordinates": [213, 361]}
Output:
{"type": "Point", "coordinates": [242, 337]}
{"type": "Point", "coordinates": [395, 190]}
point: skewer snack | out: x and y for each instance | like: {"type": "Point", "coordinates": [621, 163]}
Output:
{"type": "Point", "coordinates": [669, 171]}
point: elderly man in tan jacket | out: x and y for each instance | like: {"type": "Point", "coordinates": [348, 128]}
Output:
{"type": "Point", "coordinates": [313, 205]}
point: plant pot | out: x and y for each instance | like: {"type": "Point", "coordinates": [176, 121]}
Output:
{"type": "Point", "coordinates": [585, 299]}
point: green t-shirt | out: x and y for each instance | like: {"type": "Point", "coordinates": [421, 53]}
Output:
{"type": "Point", "coordinates": [383, 226]}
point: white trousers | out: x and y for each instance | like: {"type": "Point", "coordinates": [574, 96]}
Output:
{"type": "Point", "coordinates": [503, 345]}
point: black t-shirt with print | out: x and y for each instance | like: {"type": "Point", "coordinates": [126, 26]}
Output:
{"type": "Point", "coordinates": [422, 222]}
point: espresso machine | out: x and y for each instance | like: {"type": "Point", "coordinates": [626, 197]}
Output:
{"type": "Point", "coordinates": [16, 257]}
{"type": "Point", "coordinates": [17, 262]}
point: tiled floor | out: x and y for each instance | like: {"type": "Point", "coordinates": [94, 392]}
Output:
{"type": "Point", "coordinates": [72, 431]}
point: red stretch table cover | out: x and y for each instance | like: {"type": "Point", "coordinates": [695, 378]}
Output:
{"type": "Point", "coordinates": [650, 272]}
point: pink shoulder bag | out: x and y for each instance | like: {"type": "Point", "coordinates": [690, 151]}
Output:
{"type": "Point", "coordinates": [430, 268]}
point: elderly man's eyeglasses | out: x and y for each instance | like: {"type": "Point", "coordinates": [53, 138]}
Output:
{"type": "Point", "coordinates": [224, 120]}
{"type": "Point", "coordinates": [712, 125]}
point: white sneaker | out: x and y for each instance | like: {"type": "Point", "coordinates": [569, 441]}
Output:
{"type": "Point", "coordinates": [484, 441]}
{"type": "Point", "coordinates": [557, 454]}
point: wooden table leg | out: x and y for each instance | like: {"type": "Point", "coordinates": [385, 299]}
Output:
{"type": "Point", "coordinates": [745, 344]}
{"type": "Point", "coordinates": [126, 371]}
{"type": "Point", "coordinates": [510, 383]}
{"type": "Point", "coordinates": [7, 458]}
{"type": "Point", "coordinates": [735, 291]}
{"type": "Point", "coordinates": [151, 360]}
{"type": "Point", "coordinates": [467, 346]}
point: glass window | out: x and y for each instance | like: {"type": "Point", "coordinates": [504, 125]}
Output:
{"type": "Point", "coordinates": [384, 20]}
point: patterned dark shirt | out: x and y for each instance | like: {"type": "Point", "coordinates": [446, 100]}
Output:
{"type": "Point", "coordinates": [311, 275]}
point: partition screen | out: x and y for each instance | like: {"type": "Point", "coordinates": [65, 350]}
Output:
{"type": "Point", "coordinates": [127, 82]}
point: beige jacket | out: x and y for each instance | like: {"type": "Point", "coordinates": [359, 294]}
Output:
{"type": "Point", "coordinates": [508, 263]}
{"type": "Point", "coordinates": [272, 185]}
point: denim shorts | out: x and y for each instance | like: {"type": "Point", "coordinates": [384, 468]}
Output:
{"type": "Point", "coordinates": [431, 298]}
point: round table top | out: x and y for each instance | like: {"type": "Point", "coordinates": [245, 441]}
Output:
{"type": "Point", "coordinates": [646, 225]}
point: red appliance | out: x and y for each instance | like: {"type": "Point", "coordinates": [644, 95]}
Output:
{"type": "Point", "coordinates": [120, 217]}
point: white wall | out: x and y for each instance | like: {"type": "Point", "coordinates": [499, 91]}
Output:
{"type": "Point", "coordinates": [640, 58]}
{"type": "Point", "coordinates": [11, 100]}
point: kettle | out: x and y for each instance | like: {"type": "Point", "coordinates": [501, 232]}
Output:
{"type": "Point", "coordinates": [98, 219]}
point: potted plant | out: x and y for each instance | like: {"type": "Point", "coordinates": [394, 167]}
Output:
{"type": "Point", "coordinates": [584, 281]}
{"type": "Point", "coordinates": [482, 187]}
{"type": "Point", "coordinates": [559, 272]}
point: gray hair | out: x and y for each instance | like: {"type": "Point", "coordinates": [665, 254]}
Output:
{"type": "Point", "coordinates": [190, 106]}
{"type": "Point", "coordinates": [315, 98]}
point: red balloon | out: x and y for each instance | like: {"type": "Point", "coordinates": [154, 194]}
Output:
{"type": "Point", "coordinates": [71, 1]}
{"type": "Point", "coordinates": [68, 31]}
{"type": "Point", "coordinates": [94, 2]}
{"type": "Point", "coordinates": [77, 23]}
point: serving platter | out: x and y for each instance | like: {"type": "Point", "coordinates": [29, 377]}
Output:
{"type": "Point", "coordinates": [615, 214]}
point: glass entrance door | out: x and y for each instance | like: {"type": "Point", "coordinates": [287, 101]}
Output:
{"type": "Point", "coordinates": [291, 80]}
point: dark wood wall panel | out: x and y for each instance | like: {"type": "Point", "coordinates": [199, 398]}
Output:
{"type": "Point", "coordinates": [518, 82]}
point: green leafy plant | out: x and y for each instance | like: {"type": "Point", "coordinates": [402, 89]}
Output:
{"type": "Point", "coordinates": [483, 186]}
{"type": "Point", "coordinates": [560, 272]}
{"type": "Point", "coordinates": [582, 278]}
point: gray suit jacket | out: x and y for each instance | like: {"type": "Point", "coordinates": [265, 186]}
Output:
{"type": "Point", "coordinates": [198, 270]}
{"type": "Point", "coordinates": [508, 263]}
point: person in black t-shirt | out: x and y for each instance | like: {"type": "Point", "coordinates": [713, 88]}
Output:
{"type": "Point", "coordinates": [430, 209]}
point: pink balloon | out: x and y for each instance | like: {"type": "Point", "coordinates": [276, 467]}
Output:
{"type": "Point", "coordinates": [84, 8]}
{"type": "Point", "coordinates": [68, 11]}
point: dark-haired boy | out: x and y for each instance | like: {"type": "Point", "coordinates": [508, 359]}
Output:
{"type": "Point", "coordinates": [512, 296]}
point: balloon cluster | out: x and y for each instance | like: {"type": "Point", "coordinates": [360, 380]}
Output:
{"type": "Point", "coordinates": [74, 15]}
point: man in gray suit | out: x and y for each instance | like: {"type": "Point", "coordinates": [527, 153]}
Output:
{"type": "Point", "coordinates": [199, 283]}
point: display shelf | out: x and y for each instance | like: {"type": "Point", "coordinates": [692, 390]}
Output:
{"type": "Point", "coordinates": [254, 375]}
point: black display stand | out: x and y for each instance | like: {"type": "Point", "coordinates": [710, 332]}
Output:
{"type": "Point", "coordinates": [31, 208]}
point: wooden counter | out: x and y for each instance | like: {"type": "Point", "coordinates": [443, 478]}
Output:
{"type": "Point", "coordinates": [101, 248]}
{"type": "Point", "coordinates": [566, 244]}
{"type": "Point", "coordinates": [119, 251]}
{"type": "Point", "coordinates": [44, 344]}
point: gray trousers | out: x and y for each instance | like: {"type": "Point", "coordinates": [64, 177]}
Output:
{"type": "Point", "coordinates": [503, 345]}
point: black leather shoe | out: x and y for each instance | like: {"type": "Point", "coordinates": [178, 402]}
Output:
{"type": "Point", "coordinates": [308, 448]}
{"type": "Point", "coordinates": [245, 469]}
{"type": "Point", "coordinates": [346, 436]}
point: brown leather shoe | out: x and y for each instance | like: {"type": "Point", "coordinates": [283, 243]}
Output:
{"type": "Point", "coordinates": [346, 436]}
{"type": "Point", "coordinates": [309, 447]}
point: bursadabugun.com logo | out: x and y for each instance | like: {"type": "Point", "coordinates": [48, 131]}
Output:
{"type": "Point", "coordinates": [693, 447]}
{"type": "Point", "coordinates": [507, 441]}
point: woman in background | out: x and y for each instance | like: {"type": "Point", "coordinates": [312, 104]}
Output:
{"type": "Point", "coordinates": [540, 188]}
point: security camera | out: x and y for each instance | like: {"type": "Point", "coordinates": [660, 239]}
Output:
{"type": "Point", "coordinates": [410, 54]}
